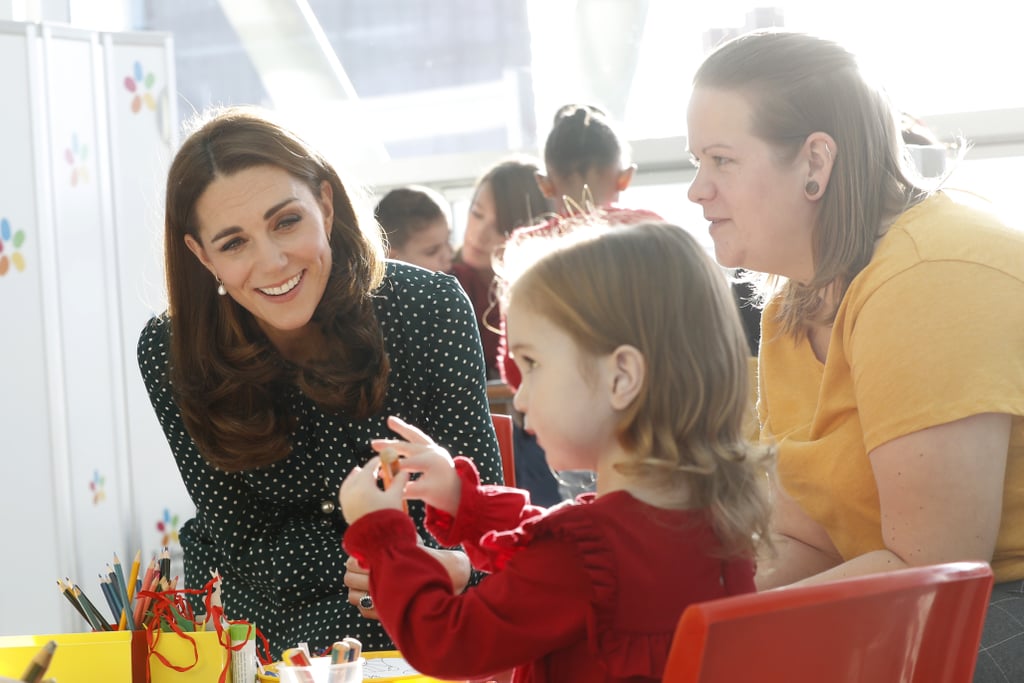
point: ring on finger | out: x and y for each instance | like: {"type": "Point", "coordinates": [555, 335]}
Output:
{"type": "Point", "coordinates": [366, 602]}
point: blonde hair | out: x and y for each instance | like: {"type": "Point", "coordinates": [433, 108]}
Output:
{"type": "Point", "coordinates": [653, 287]}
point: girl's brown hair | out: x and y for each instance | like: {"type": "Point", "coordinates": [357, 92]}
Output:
{"type": "Point", "coordinates": [518, 201]}
{"type": "Point", "coordinates": [405, 211]}
{"type": "Point", "coordinates": [582, 139]}
{"type": "Point", "coordinates": [227, 378]}
{"type": "Point", "coordinates": [653, 287]}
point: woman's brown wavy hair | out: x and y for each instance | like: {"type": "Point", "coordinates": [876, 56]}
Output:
{"type": "Point", "coordinates": [227, 378]}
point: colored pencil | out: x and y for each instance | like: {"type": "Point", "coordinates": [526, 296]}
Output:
{"type": "Point", "coordinates": [122, 589]}
{"type": "Point", "coordinates": [149, 580]}
{"type": "Point", "coordinates": [39, 664]}
{"type": "Point", "coordinates": [111, 597]}
{"type": "Point", "coordinates": [128, 616]}
{"type": "Point", "coordinates": [66, 592]}
{"type": "Point", "coordinates": [92, 614]}
{"type": "Point", "coordinates": [165, 564]}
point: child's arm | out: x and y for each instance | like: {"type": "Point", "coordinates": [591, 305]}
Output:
{"type": "Point", "coordinates": [483, 511]}
{"type": "Point", "coordinates": [544, 598]}
{"type": "Point", "coordinates": [459, 509]}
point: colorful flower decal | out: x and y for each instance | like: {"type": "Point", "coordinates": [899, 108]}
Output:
{"type": "Point", "coordinates": [140, 84]}
{"type": "Point", "coordinates": [10, 242]}
{"type": "Point", "coordinates": [168, 526]}
{"type": "Point", "coordinates": [76, 156]}
{"type": "Point", "coordinates": [96, 486]}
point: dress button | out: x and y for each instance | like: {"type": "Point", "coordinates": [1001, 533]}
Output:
{"type": "Point", "coordinates": [327, 507]}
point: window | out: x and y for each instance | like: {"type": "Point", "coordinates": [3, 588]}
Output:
{"type": "Point", "coordinates": [439, 90]}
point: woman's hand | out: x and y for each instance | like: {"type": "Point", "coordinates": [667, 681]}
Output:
{"type": "Point", "coordinates": [357, 577]}
{"type": "Point", "coordinates": [357, 580]}
{"type": "Point", "coordinates": [802, 545]}
{"type": "Point", "coordinates": [456, 563]}
{"type": "Point", "coordinates": [438, 484]}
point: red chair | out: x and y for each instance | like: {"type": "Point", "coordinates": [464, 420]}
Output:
{"type": "Point", "coordinates": [503, 430]}
{"type": "Point", "coordinates": [918, 625]}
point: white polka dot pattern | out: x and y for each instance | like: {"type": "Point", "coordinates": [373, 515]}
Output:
{"type": "Point", "coordinates": [267, 530]}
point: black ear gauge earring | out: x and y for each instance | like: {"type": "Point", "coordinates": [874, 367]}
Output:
{"type": "Point", "coordinates": [812, 187]}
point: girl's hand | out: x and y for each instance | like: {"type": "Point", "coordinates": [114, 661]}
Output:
{"type": "Point", "coordinates": [438, 485]}
{"type": "Point", "coordinates": [359, 494]}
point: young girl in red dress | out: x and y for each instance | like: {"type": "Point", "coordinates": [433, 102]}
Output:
{"type": "Point", "coordinates": [634, 365]}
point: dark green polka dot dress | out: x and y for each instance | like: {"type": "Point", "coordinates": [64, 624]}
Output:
{"type": "Point", "coordinates": [271, 532]}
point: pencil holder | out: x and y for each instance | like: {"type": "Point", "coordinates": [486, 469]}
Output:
{"type": "Point", "coordinates": [323, 671]}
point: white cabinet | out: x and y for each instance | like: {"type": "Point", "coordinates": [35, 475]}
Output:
{"type": "Point", "coordinates": [87, 129]}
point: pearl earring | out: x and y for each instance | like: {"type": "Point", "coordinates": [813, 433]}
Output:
{"type": "Point", "coordinates": [220, 287]}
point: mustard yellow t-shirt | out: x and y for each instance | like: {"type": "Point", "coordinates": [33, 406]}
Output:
{"type": "Point", "coordinates": [931, 331]}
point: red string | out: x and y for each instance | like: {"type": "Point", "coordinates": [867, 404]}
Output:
{"type": "Point", "coordinates": [166, 606]}
{"type": "Point", "coordinates": [216, 614]}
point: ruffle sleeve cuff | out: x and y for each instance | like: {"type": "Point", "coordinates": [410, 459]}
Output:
{"type": "Point", "coordinates": [379, 533]}
{"type": "Point", "coordinates": [482, 509]}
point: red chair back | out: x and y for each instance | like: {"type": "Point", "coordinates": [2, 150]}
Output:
{"type": "Point", "coordinates": [503, 430]}
{"type": "Point", "coordinates": [918, 625]}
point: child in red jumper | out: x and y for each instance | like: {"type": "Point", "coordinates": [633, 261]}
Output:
{"type": "Point", "coordinates": [634, 365]}
{"type": "Point", "coordinates": [586, 167]}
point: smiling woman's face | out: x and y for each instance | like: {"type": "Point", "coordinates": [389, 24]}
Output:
{"type": "Point", "coordinates": [264, 233]}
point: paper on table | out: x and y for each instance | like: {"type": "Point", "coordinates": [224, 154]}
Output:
{"type": "Point", "coordinates": [386, 665]}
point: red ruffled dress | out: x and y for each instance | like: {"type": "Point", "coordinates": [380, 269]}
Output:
{"type": "Point", "coordinates": [585, 592]}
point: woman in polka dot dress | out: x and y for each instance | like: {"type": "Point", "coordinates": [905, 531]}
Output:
{"type": "Point", "coordinates": [287, 341]}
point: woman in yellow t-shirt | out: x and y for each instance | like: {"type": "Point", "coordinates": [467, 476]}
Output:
{"type": "Point", "coordinates": [891, 367]}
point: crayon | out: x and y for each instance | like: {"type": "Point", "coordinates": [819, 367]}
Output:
{"type": "Point", "coordinates": [389, 467]}
{"type": "Point", "coordinates": [339, 652]}
{"type": "Point", "coordinates": [296, 656]}
{"type": "Point", "coordinates": [355, 649]}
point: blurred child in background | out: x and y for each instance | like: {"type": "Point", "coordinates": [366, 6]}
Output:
{"type": "Point", "coordinates": [417, 226]}
{"type": "Point", "coordinates": [505, 197]}
{"type": "Point", "coordinates": [587, 166]}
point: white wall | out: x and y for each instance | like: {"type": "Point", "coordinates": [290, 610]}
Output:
{"type": "Point", "coordinates": [80, 191]}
